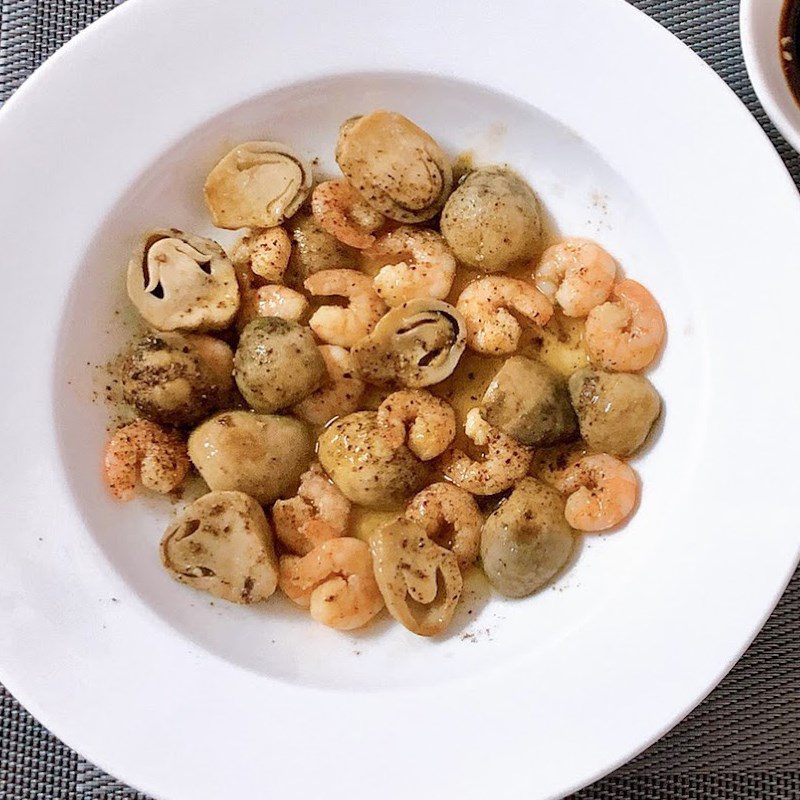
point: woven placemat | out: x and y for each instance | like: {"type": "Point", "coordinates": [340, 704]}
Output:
{"type": "Point", "coordinates": [742, 742]}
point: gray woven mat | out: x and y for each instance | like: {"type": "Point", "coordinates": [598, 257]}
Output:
{"type": "Point", "coordinates": [743, 742]}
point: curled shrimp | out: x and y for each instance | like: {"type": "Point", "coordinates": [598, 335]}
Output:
{"type": "Point", "coordinates": [268, 251]}
{"type": "Point", "coordinates": [340, 395]}
{"type": "Point", "coordinates": [317, 513]}
{"type": "Point", "coordinates": [146, 452]}
{"type": "Point", "coordinates": [487, 305]}
{"type": "Point", "coordinates": [344, 326]}
{"type": "Point", "coordinates": [577, 274]}
{"type": "Point", "coordinates": [343, 213]}
{"type": "Point", "coordinates": [424, 265]}
{"type": "Point", "coordinates": [273, 300]}
{"type": "Point", "coordinates": [602, 491]}
{"type": "Point", "coordinates": [505, 463]}
{"type": "Point", "coordinates": [425, 422]}
{"type": "Point", "coordinates": [451, 517]}
{"type": "Point", "coordinates": [626, 333]}
{"type": "Point", "coordinates": [335, 581]}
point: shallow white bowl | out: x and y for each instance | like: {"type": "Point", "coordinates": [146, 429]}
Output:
{"type": "Point", "coordinates": [188, 699]}
{"type": "Point", "coordinates": [759, 27]}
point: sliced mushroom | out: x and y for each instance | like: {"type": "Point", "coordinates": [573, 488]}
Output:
{"type": "Point", "coordinates": [257, 185]}
{"type": "Point", "coordinates": [222, 544]}
{"type": "Point", "coordinates": [419, 580]}
{"type": "Point", "coordinates": [395, 166]}
{"type": "Point", "coordinates": [177, 379]}
{"type": "Point", "coordinates": [182, 282]}
{"type": "Point", "coordinates": [416, 344]}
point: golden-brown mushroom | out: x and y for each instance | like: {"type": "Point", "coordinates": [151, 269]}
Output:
{"type": "Point", "coordinates": [257, 185]}
{"type": "Point", "coordinates": [181, 282]}
{"type": "Point", "coordinates": [395, 166]}
{"type": "Point", "coordinates": [416, 344]}
{"type": "Point", "coordinates": [222, 544]}
{"type": "Point", "coordinates": [261, 455]}
{"type": "Point", "coordinates": [419, 580]}
{"type": "Point", "coordinates": [368, 468]}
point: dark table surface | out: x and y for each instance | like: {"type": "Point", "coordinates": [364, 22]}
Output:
{"type": "Point", "coordinates": [742, 742]}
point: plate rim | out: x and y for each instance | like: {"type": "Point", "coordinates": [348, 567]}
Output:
{"type": "Point", "coordinates": [132, 7]}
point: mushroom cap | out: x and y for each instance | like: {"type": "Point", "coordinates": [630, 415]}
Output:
{"type": "Point", "coordinates": [277, 364]}
{"type": "Point", "coordinates": [177, 379]}
{"type": "Point", "coordinates": [259, 454]}
{"type": "Point", "coordinates": [416, 344]}
{"type": "Point", "coordinates": [395, 166]}
{"type": "Point", "coordinates": [420, 581]}
{"type": "Point", "coordinates": [257, 185]}
{"type": "Point", "coordinates": [181, 282]}
{"type": "Point", "coordinates": [492, 220]}
{"type": "Point", "coordinates": [222, 544]}
{"type": "Point", "coordinates": [367, 468]}
{"type": "Point", "coordinates": [527, 540]}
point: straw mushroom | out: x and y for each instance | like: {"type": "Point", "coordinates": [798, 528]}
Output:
{"type": "Point", "coordinates": [222, 544]}
{"type": "Point", "coordinates": [416, 344]}
{"type": "Point", "coordinates": [420, 581]}
{"type": "Point", "coordinates": [367, 468]}
{"type": "Point", "coordinates": [259, 454]}
{"type": "Point", "coordinates": [527, 541]}
{"type": "Point", "coordinates": [257, 185]}
{"type": "Point", "coordinates": [395, 166]}
{"type": "Point", "coordinates": [182, 282]}
{"type": "Point", "coordinates": [492, 220]}
{"type": "Point", "coordinates": [177, 379]}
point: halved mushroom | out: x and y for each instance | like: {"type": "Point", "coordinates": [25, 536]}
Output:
{"type": "Point", "coordinates": [395, 166]}
{"type": "Point", "coordinates": [416, 344]}
{"type": "Point", "coordinates": [181, 282]}
{"type": "Point", "coordinates": [177, 379]}
{"type": "Point", "coordinates": [257, 185]}
{"type": "Point", "coordinates": [222, 544]}
{"type": "Point", "coordinates": [419, 580]}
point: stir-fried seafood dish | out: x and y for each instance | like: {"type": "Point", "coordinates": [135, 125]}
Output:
{"type": "Point", "coordinates": [393, 377]}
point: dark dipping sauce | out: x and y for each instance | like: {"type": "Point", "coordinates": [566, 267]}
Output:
{"type": "Point", "coordinates": [789, 45]}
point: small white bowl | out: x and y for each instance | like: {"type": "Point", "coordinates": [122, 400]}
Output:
{"type": "Point", "coordinates": [759, 23]}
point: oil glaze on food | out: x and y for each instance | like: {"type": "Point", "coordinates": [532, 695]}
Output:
{"type": "Point", "coordinates": [388, 380]}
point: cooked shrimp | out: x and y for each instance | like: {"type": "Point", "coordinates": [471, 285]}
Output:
{"type": "Point", "coordinates": [273, 300]}
{"type": "Point", "coordinates": [487, 304]}
{"type": "Point", "coordinates": [602, 491]}
{"type": "Point", "coordinates": [505, 463]}
{"type": "Point", "coordinates": [335, 580]}
{"type": "Point", "coordinates": [344, 326]}
{"type": "Point", "coordinates": [340, 395]}
{"type": "Point", "coordinates": [268, 251]}
{"type": "Point", "coordinates": [577, 274]}
{"type": "Point", "coordinates": [451, 517]}
{"type": "Point", "coordinates": [426, 422]}
{"type": "Point", "coordinates": [626, 334]}
{"type": "Point", "coordinates": [317, 513]}
{"type": "Point", "coordinates": [146, 452]}
{"type": "Point", "coordinates": [343, 213]}
{"type": "Point", "coordinates": [425, 267]}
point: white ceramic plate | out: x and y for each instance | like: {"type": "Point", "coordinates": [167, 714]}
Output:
{"type": "Point", "coordinates": [628, 138]}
